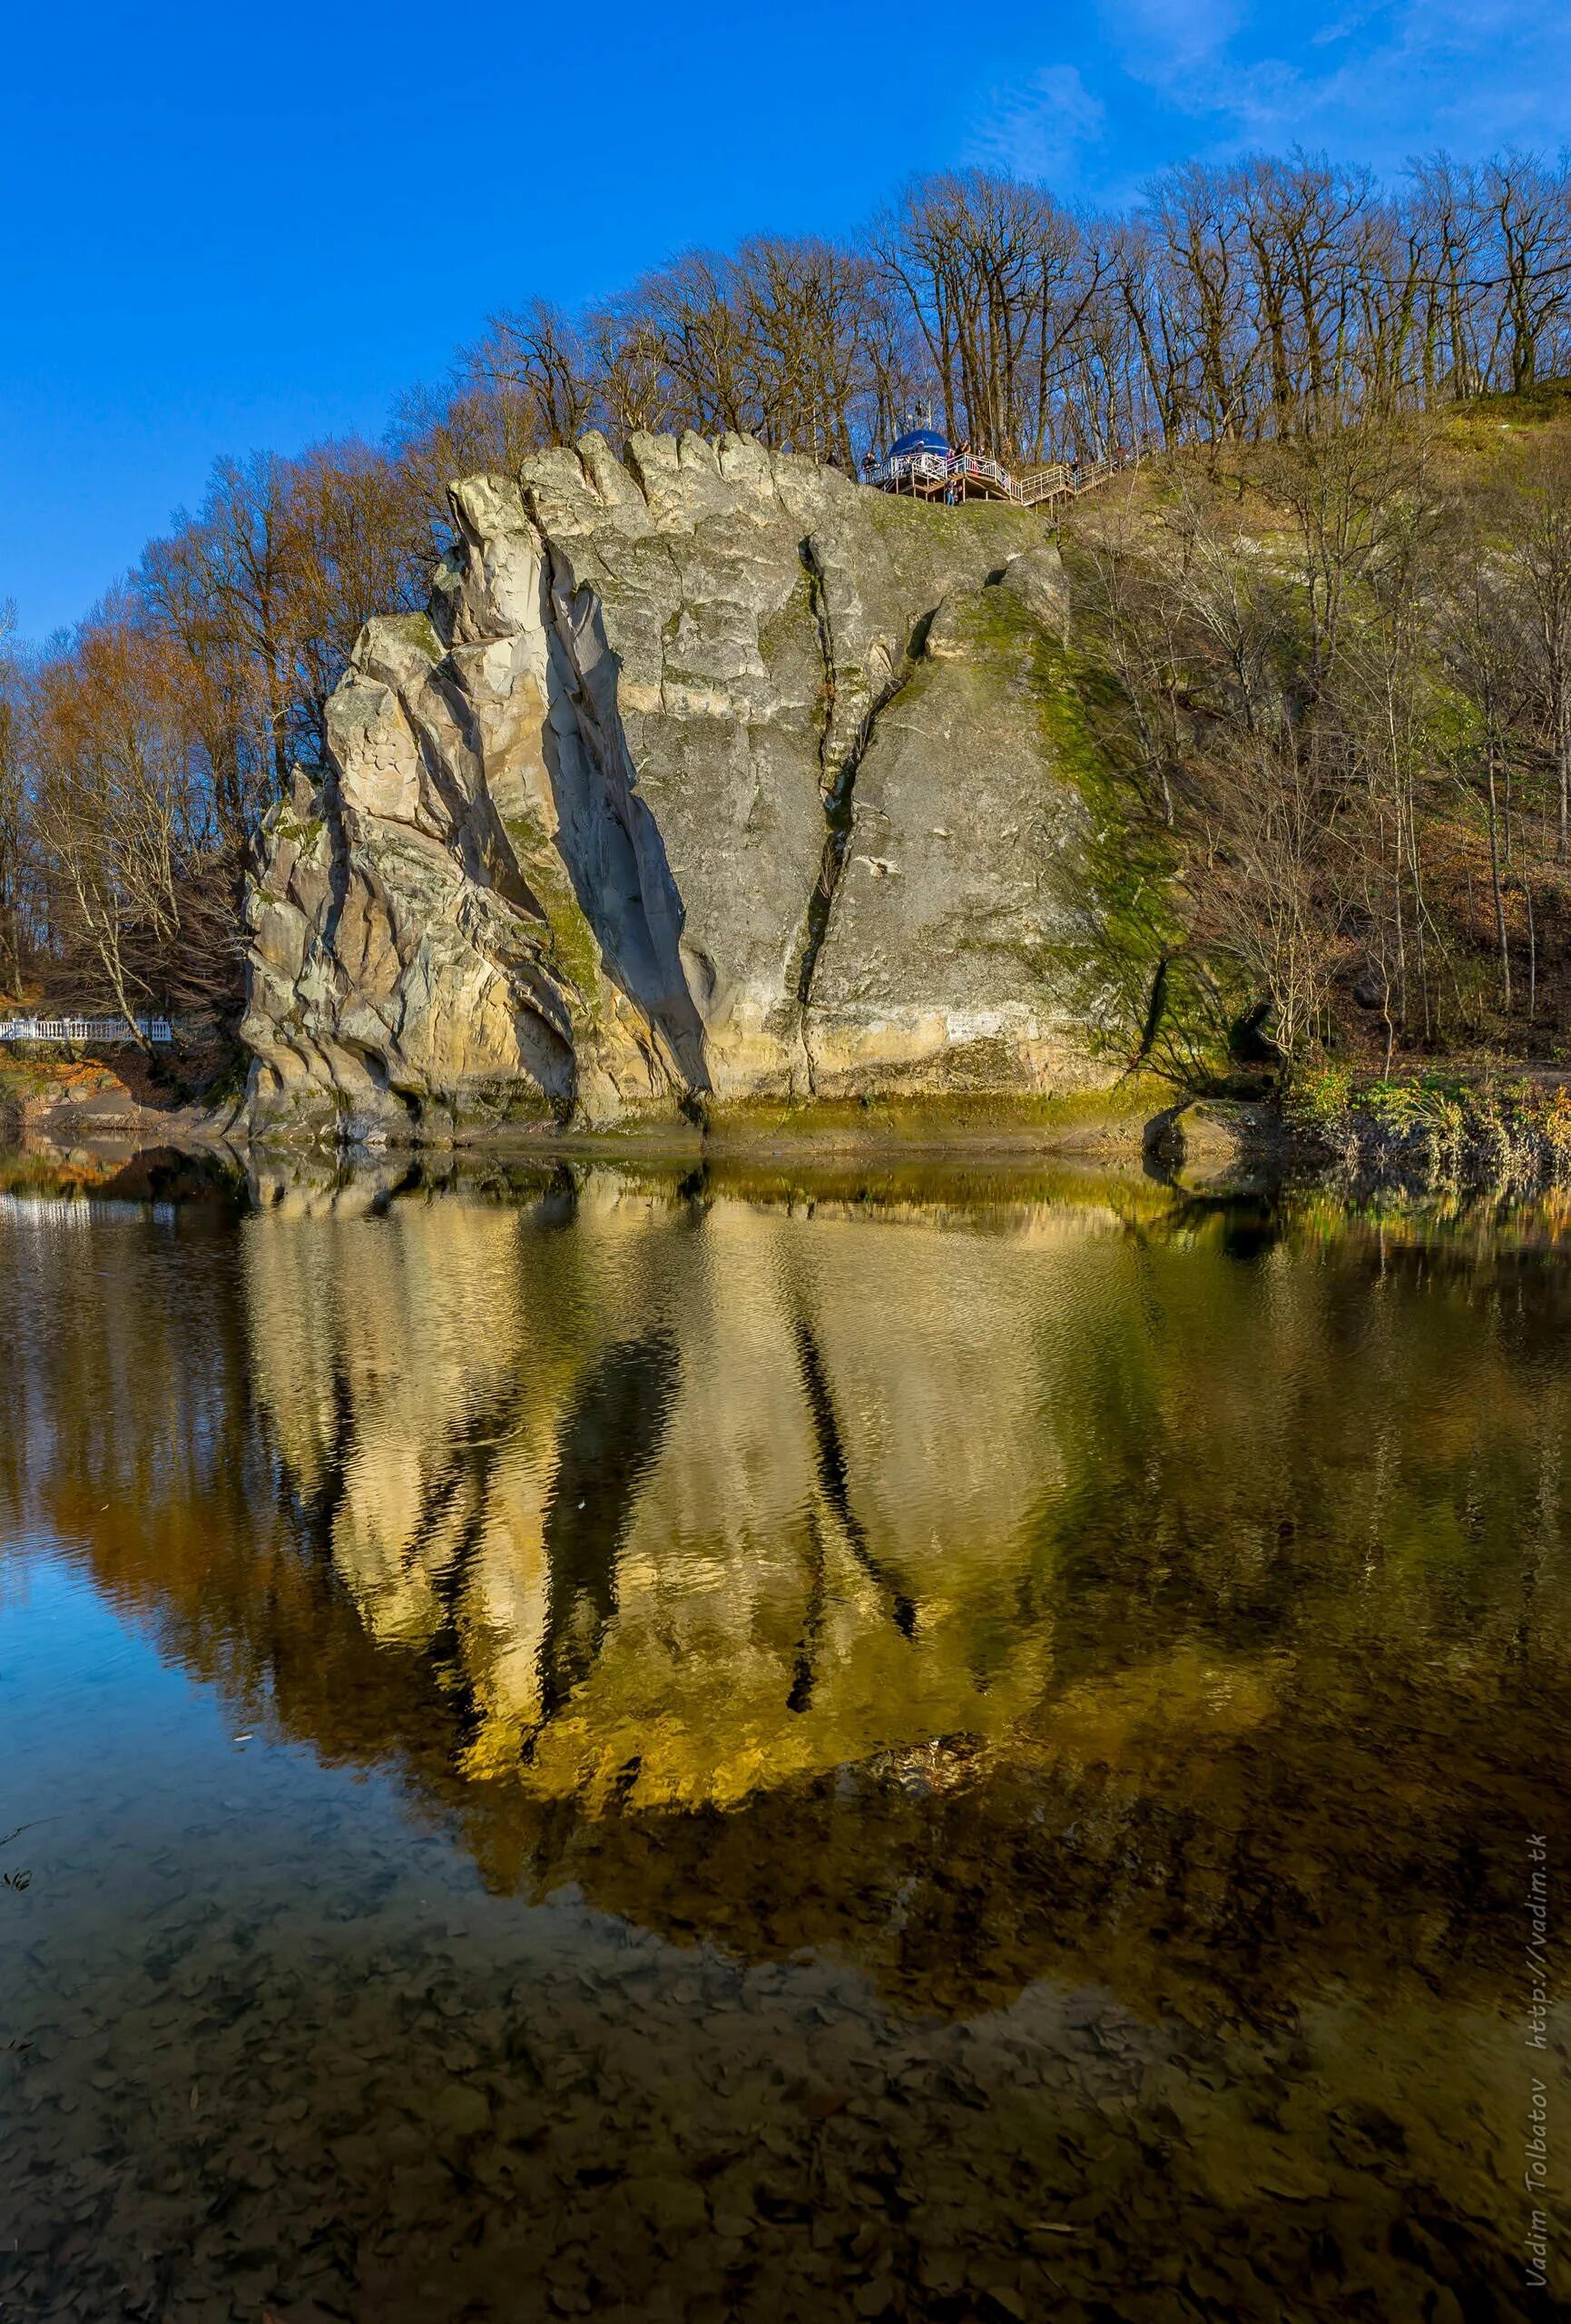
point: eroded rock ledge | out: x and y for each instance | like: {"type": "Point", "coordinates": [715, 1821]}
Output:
{"type": "Point", "coordinates": [709, 777]}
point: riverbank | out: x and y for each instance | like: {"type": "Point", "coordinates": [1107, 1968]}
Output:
{"type": "Point", "coordinates": [1479, 1131]}
{"type": "Point", "coordinates": [61, 1102]}
{"type": "Point", "coordinates": [65, 1099]}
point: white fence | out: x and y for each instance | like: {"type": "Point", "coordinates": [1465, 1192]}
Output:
{"type": "Point", "coordinates": [95, 1030]}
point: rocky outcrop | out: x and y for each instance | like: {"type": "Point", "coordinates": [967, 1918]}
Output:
{"type": "Point", "coordinates": [1216, 1146]}
{"type": "Point", "coordinates": [710, 776]}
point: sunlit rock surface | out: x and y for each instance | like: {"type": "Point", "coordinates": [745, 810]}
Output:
{"type": "Point", "coordinates": [710, 777]}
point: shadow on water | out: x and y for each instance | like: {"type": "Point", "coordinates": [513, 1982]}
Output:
{"type": "Point", "coordinates": [896, 1743]}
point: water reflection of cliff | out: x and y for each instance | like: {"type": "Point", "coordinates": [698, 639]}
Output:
{"type": "Point", "coordinates": [984, 1590]}
{"type": "Point", "coordinates": [691, 1498]}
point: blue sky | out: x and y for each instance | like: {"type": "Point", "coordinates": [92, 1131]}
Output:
{"type": "Point", "coordinates": [231, 226]}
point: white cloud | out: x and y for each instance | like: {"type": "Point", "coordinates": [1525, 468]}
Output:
{"type": "Point", "coordinates": [1372, 81]}
{"type": "Point", "coordinates": [1470, 75]}
{"type": "Point", "coordinates": [1037, 131]}
{"type": "Point", "coordinates": [1164, 43]}
{"type": "Point", "coordinates": [1378, 80]}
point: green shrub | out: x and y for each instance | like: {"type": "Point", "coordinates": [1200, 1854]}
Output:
{"type": "Point", "coordinates": [1321, 1096]}
{"type": "Point", "coordinates": [1397, 1106]}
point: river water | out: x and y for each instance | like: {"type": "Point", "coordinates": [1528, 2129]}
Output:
{"type": "Point", "coordinates": [900, 1746]}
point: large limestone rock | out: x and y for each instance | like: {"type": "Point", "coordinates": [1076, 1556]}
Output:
{"type": "Point", "coordinates": [711, 776]}
{"type": "Point", "coordinates": [962, 897]}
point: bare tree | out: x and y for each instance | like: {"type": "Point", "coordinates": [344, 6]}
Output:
{"type": "Point", "coordinates": [1530, 209]}
{"type": "Point", "coordinates": [997, 278]}
{"type": "Point", "coordinates": [633, 388]}
{"type": "Point", "coordinates": [16, 861]}
{"type": "Point", "coordinates": [122, 817]}
{"type": "Point", "coordinates": [222, 583]}
{"type": "Point", "coordinates": [1534, 506]}
{"type": "Point", "coordinates": [358, 546]}
{"type": "Point", "coordinates": [536, 360]}
{"type": "Point", "coordinates": [806, 308]}
{"type": "Point", "coordinates": [478, 427]}
{"type": "Point", "coordinates": [1480, 639]}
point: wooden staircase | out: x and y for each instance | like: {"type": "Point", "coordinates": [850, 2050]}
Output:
{"type": "Point", "coordinates": [969, 476]}
{"type": "Point", "coordinates": [1059, 481]}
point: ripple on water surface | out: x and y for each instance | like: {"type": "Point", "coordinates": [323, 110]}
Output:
{"type": "Point", "coordinates": [601, 1747]}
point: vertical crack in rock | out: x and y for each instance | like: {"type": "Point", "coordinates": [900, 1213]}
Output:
{"type": "Point", "coordinates": [615, 853]}
{"type": "Point", "coordinates": [839, 786]}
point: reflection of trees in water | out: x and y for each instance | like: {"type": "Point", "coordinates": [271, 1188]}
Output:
{"type": "Point", "coordinates": [127, 1421]}
{"type": "Point", "coordinates": [1193, 1611]}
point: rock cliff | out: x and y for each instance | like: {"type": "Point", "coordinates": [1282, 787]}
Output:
{"type": "Point", "coordinates": [709, 776]}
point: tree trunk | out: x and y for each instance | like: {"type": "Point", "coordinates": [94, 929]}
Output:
{"type": "Point", "coordinates": [1499, 895]}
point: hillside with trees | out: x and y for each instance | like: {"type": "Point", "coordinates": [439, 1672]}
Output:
{"type": "Point", "coordinates": [1324, 621]}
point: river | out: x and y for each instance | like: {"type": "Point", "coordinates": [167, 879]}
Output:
{"type": "Point", "coordinates": [906, 1744]}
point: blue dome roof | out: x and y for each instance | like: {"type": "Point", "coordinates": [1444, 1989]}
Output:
{"type": "Point", "coordinates": [918, 439]}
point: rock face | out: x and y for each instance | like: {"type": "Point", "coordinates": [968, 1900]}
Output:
{"type": "Point", "coordinates": [710, 776]}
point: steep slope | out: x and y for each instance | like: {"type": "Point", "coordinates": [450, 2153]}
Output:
{"type": "Point", "coordinates": [711, 776]}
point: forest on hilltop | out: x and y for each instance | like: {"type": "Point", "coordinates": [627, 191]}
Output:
{"type": "Point", "coordinates": [1326, 617]}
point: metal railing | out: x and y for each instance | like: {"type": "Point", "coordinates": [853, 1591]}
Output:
{"type": "Point", "coordinates": [1056, 481]}
{"type": "Point", "coordinates": [912, 469]}
{"type": "Point", "coordinates": [95, 1030]}
{"type": "Point", "coordinates": [933, 472]}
